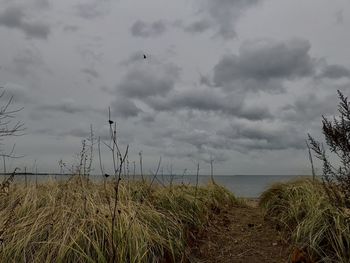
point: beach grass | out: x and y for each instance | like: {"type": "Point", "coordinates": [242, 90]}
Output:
{"type": "Point", "coordinates": [71, 221]}
{"type": "Point", "coordinates": [302, 209]}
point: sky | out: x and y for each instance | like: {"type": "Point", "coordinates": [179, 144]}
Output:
{"type": "Point", "coordinates": [239, 82]}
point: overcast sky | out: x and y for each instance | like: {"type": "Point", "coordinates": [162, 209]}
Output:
{"type": "Point", "coordinates": [243, 81]}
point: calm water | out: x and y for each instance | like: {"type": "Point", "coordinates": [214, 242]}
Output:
{"type": "Point", "coordinates": [240, 185]}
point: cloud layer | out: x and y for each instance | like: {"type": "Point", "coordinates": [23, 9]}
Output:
{"type": "Point", "coordinates": [14, 17]}
{"type": "Point", "coordinates": [240, 81]}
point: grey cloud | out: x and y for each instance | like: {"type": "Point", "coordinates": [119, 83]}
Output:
{"type": "Point", "coordinates": [92, 9]}
{"type": "Point", "coordinates": [67, 106]}
{"type": "Point", "coordinates": [21, 95]}
{"type": "Point", "coordinates": [339, 17]}
{"type": "Point", "coordinates": [262, 65]}
{"type": "Point", "coordinates": [147, 118]}
{"type": "Point", "coordinates": [198, 26]}
{"type": "Point", "coordinates": [14, 18]}
{"type": "Point", "coordinates": [141, 82]}
{"type": "Point", "coordinates": [42, 3]}
{"type": "Point", "coordinates": [335, 72]}
{"type": "Point", "coordinates": [70, 28]}
{"type": "Point", "coordinates": [208, 101]}
{"type": "Point", "coordinates": [254, 112]}
{"type": "Point", "coordinates": [91, 72]}
{"type": "Point", "coordinates": [33, 4]}
{"type": "Point", "coordinates": [205, 143]}
{"type": "Point", "coordinates": [264, 136]}
{"type": "Point", "coordinates": [76, 132]}
{"type": "Point", "coordinates": [136, 57]}
{"type": "Point", "coordinates": [308, 108]}
{"type": "Point", "coordinates": [45, 131]}
{"type": "Point", "coordinates": [143, 29]}
{"type": "Point", "coordinates": [26, 61]}
{"type": "Point", "coordinates": [36, 29]}
{"type": "Point", "coordinates": [202, 100]}
{"type": "Point", "coordinates": [225, 14]}
{"type": "Point", "coordinates": [125, 108]}
{"type": "Point", "coordinates": [199, 138]}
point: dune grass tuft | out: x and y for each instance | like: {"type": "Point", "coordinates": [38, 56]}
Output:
{"type": "Point", "coordinates": [71, 221]}
{"type": "Point", "coordinates": [302, 209]}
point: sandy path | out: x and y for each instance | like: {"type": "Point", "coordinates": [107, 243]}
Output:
{"type": "Point", "coordinates": [240, 234]}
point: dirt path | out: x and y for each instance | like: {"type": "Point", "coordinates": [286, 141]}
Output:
{"type": "Point", "coordinates": [240, 234]}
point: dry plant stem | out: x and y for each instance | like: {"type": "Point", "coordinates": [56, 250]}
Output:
{"type": "Point", "coordinates": [156, 173]}
{"type": "Point", "coordinates": [183, 175]}
{"type": "Point", "coordinates": [311, 161]}
{"type": "Point", "coordinates": [4, 160]}
{"type": "Point", "coordinates": [36, 177]}
{"type": "Point", "coordinates": [171, 176]}
{"type": "Point", "coordinates": [82, 154]}
{"type": "Point", "coordinates": [140, 154]}
{"type": "Point", "coordinates": [211, 169]}
{"type": "Point", "coordinates": [91, 139]}
{"type": "Point", "coordinates": [5, 185]}
{"type": "Point", "coordinates": [100, 161]}
{"type": "Point", "coordinates": [6, 117]}
{"type": "Point", "coordinates": [25, 177]}
{"type": "Point", "coordinates": [197, 176]}
{"type": "Point", "coordinates": [149, 190]}
{"type": "Point", "coordinates": [117, 173]}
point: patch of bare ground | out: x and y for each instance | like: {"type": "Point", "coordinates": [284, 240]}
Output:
{"type": "Point", "coordinates": [239, 234]}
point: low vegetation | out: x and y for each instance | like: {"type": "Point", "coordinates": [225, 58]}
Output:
{"type": "Point", "coordinates": [316, 214]}
{"type": "Point", "coordinates": [310, 220]}
{"type": "Point", "coordinates": [72, 221]}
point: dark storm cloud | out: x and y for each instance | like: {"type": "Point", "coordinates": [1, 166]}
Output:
{"type": "Point", "coordinates": [335, 72]}
{"type": "Point", "coordinates": [144, 29]}
{"type": "Point", "coordinates": [223, 14]}
{"type": "Point", "coordinates": [141, 82]}
{"type": "Point", "coordinates": [13, 17]}
{"type": "Point", "coordinates": [208, 101]}
{"type": "Point", "coordinates": [262, 65]}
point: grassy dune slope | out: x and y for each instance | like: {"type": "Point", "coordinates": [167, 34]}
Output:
{"type": "Point", "coordinates": [301, 208]}
{"type": "Point", "coordinates": [72, 221]}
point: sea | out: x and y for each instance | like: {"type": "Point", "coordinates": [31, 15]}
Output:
{"type": "Point", "coordinates": [249, 186]}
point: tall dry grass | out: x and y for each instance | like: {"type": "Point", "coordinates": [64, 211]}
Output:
{"type": "Point", "coordinates": [303, 210]}
{"type": "Point", "coordinates": [71, 221]}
